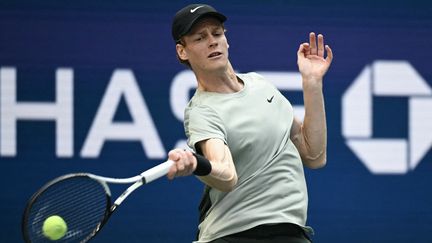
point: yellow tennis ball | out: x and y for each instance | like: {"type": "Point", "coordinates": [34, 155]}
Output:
{"type": "Point", "coordinates": [54, 227]}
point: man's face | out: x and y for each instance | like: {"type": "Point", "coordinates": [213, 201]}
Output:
{"type": "Point", "coordinates": [206, 46]}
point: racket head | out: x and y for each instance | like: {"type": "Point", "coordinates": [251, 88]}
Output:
{"type": "Point", "coordinates": [83, 202]}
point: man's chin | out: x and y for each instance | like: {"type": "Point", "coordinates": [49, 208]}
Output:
{"type": "Point", "coordinates": [215, 66]}
{"type": "Point", "coordinates": [218, 65]}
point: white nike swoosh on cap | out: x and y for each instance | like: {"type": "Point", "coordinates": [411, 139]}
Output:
{"type": "Point", "coordinates": [195, 9]}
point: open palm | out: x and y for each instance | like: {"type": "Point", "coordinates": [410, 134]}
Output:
{"type": "Point", "coordinates": [310, 58]}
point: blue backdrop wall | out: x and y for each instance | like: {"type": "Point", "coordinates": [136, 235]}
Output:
{"type": "Point", "coordinates": [97, 65]}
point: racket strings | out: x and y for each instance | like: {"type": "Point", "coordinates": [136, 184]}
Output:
{"type": "Point", "coordinates": [82, 203]}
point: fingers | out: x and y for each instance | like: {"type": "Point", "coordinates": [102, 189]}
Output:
{"type": "Point", "coordinates": [312, 44]}
{"type": "Point", "coordinates": [320, 45]}
{"type": "Point", "coordinates": [329, 57]}
{"type": "Point", "coordinates": [303, 50]}
{"type": "Point", "coordinates": [317, 47]}
{"type": "Point", "coordinates": [185, 163]}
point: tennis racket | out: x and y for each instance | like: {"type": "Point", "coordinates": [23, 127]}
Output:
{"type": "Point", "coordinates": [83, 200]}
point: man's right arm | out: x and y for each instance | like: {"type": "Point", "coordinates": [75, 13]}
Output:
{"type": "Point", "coordinates": [223, 175]}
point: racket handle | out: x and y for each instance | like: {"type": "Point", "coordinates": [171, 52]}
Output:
{"type": "Point", "coordinates": [157, 171]}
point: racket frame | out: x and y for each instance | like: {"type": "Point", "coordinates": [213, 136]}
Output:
{"type": "Point", "coordinates": [139, 180]}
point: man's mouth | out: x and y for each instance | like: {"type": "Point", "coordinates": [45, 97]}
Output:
{"type": "Point", "coordinates": [214, 54]}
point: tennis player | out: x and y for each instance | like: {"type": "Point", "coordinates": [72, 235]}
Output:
{"type": "Point", "coordinates": [243, 128]}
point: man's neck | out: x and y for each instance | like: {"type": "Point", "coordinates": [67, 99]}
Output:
{"type": "Point", "coordinates": [224, 81]}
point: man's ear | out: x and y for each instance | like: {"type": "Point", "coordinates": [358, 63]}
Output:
{"type": "Point", "coordinates": [181, 52]}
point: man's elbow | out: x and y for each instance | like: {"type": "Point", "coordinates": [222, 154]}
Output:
{"type": "Point", "coordinates": [316, 163]}
{"type": "Point", "coordinates": [228, 186]}
{"type": "Point", "coordinates": [221, 185]}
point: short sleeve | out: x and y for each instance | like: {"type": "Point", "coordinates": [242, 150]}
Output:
{"type": "Point", "coordinates": [201, 123]}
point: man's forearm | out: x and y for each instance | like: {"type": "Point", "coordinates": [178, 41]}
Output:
{"type": "Point", "coordinates": [314, 128]}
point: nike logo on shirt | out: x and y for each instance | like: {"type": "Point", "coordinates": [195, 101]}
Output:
{"type": "Point", "coordinates": [270, 100]}
{"type": "Point", "coordinates": [195, 9]}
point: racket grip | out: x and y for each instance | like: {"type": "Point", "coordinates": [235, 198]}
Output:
{"type": "Point", "coordinates": [157, 171]}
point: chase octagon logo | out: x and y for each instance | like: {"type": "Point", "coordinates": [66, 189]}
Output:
{"type": "Point", "coordinates": [396, 79]}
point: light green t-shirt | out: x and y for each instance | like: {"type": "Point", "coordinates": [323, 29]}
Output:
{"type": "Point", "coordinates": [255, 124]}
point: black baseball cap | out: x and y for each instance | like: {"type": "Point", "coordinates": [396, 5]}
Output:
{"type": "Point", "coordinates": [189, 15]}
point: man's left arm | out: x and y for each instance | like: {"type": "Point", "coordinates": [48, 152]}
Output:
{"type": "Point", "coordinates": [310, 137]}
